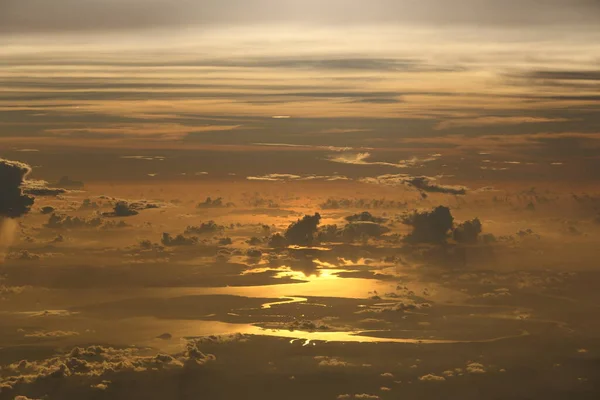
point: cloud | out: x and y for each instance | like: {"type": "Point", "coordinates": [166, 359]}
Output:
{"type": "Point", "coordinates": [39, 188]}
{"type": "Point", "coordinates": [179, 240]}
{"type": "Point", "coordinates": [50, 334]}
{"type": "Point", "coordinates": [577, 75]}
{"type": "Point", "coordinates": [57, 221]}
{"type": "Point", "coordinates": [432, 378]}
{"type": "Point", "coordinates": [429, 226]}
{"type": "Point", "coordinates": [362, 159]}
{"type": "Point", "coordinates": [492, 121]}
{"type": "Point", "coordinates": [343, 203]}
{"type": "Point", "coordinates": [424, 184]}
{"type": "Point", "coordinates": [26, 16]}
{"type": "Point", "coordinates": [13, 203]}
{"type": "Point", "coordinates": [475, 368]}
{"type": "Point", "coordinates": [92, 364]}
{"type": "Point", "coordinates": [302, 231]}
{"type": "Point", "coordinates": [468, 231]}
{"type": "Point", "coordinates": [365, 216]}
{"type": "Point", "coordinates": [292, 177]}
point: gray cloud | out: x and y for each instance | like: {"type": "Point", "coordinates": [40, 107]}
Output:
{"type": "Point", "coordinates": [13, 203]}
{"type": "Point", "coordinates": [107, 15]}
{"type": "Point", "coordinates": [577, 75]}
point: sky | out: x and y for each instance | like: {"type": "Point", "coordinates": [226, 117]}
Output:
{"type": "Point", "coordinates": [103, 73]}
{"type": "Point", "coordinates": [329, 200]}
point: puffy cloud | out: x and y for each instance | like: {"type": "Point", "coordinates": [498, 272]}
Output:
{"type": "Point", "coordinates": [302, 231]}
{"type": "Point", "coordinates": [277, 241]}
{"type": "Point", "coordinates": [57, 221]}
{"type": "Point", "coordinates": [205, 228]}
{"type": "Point", "coordinates": [13, 202]}
{"type": "Point", "coordinates": [429, 226]}
{"type": "Point", "coordinates": [432, 378]}
{"type": "Point", "coordinates": [475, 368]}
{"type": "Point", "coordinates": [364, 216]}
{"type": "Point", "coordinates": [363, 229]}
{"type": "Point", "coordinates": [468, 231]}
{"type": "Point", "coordinates": [94, 363]}
{"type": "Point", "coordinates": [179, 240]}
{"type": "Point", "coordinates": [214, 203]}
{"type": "Point", "coordinates": [325, 361]}
{"type": "Point", "coordinates": [122, 209]}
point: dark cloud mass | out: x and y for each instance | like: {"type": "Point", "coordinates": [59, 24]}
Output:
{"type": "Point", "coordinates": [424, 184]}
{"type": "Point", "coordinates": [13, 203]}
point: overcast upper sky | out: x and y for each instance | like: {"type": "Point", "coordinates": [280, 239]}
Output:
{"type": "Point", "coordinates": [26, 16]}
{"type": "Point", "coordinates": [365, 73]}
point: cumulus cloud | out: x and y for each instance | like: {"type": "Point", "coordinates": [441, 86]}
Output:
{"type": "Point", "coordinates": [432, 378]}
{"type": "Point", "coordinates": [302, 231]}
{"type": "Point", "coordinates": [122, 209]}
{"type": "Point", "coordinates": [429, 226]}
{"type": "Point", "coordinates": [205, 228]}
{"type": "Point", "coordinates": [93, 364]}
{"type": "Point", "coordinates": [333, 362]}
{"type": "Point", "coordinates": [58, 221]}
{"type": "Point", "coordinates": [13, 202]}
{"type": "Point", "coordinates": [475, 368]}
{"type": "Point", "coordinates": [468, 231]}
{"type": "Point", "coordinates": [365, 216]}
{"type": "Point", "coordinates": [179, 240]}
{"type": "Point", "coordinates": [214, 203]}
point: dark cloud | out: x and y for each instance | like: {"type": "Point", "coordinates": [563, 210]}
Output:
{"type": "Point", "coordinates": [205, 228]}
{"type": "Point", "coordinates": [41, 189]}
{"type": "Point", "coordinates": [468, 231]}
{"type": "Point", "coordinates": [122, 209]}
{"type": "Point", "coordinates": [13, 203]}
{"type": "Point", "coordinates": [57, 221]}
{"type": "Point", "coordinates": [429, 226]}
{"type": "Point", "coordinates": [424, 184]}
{"type": "Point", "coordinates": [365, 216]}
{"type": "Point", "coordinates": [302, 231]}
{"type": "Point", "coordinates": [565, 75]}
{"type": "Point", "coordinates": [179, 240]}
